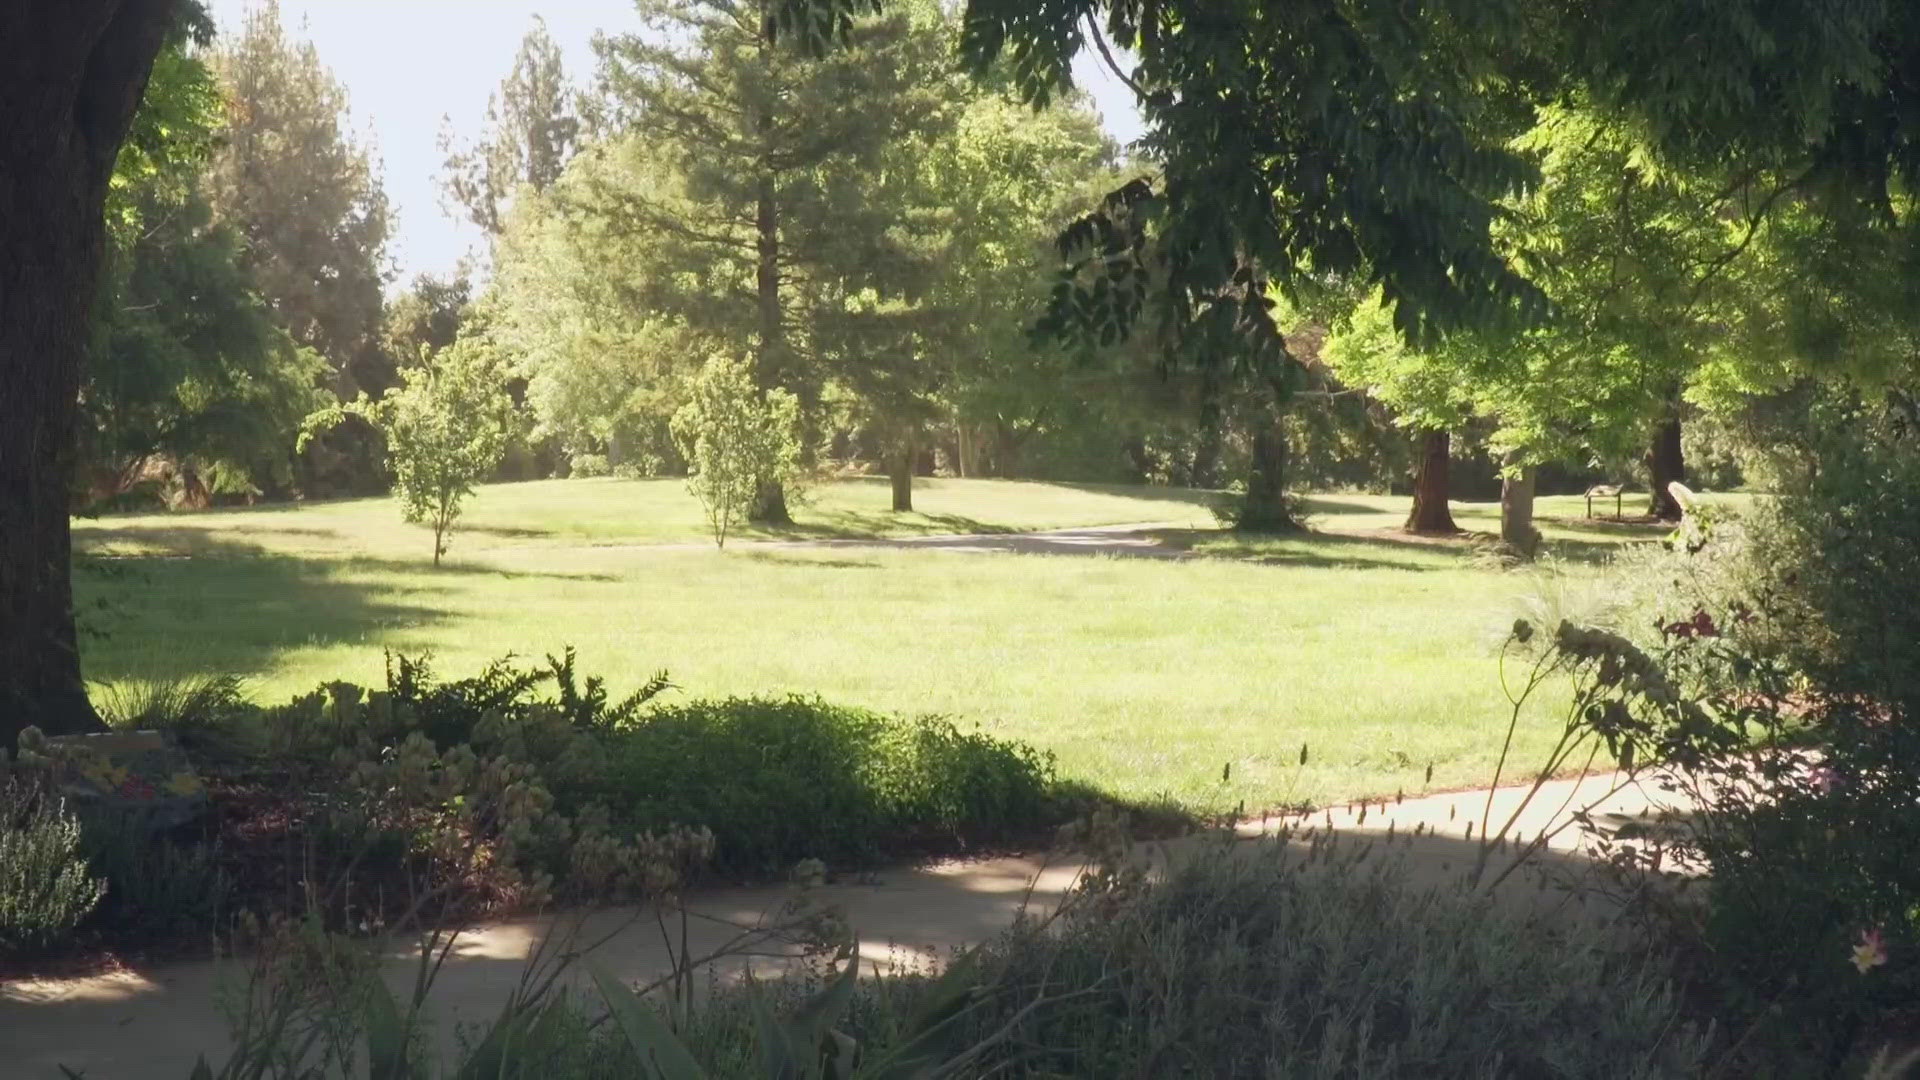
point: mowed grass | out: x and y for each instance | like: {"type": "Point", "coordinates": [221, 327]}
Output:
{"type": "Point", "coordinates": [615, 511]}
{"type": "Point", "coordinates": [1200, 678]}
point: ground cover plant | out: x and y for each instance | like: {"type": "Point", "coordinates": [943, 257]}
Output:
{"type": "Point", "coordinates": [494, 792]}
{"type": "Point", "coordinates": [1197, 679]}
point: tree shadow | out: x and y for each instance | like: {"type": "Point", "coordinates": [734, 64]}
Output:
{"type": "Point", "coordinates": [504, 532]}
{"type": "Point", "coordinates": [233, 609]}
{"type": "Point", "coordinates": [774, 559]}
{"type": "Point", "coordinates": [1320, 504]}
{"type": "Point", "coordinates": [1199, 497]}
{"type": "Point", "coordinates": [179, 541]}
{"type": "Point", "coordinates": [1308, 548]}
{"type": "Point", "coordinates": [865, 525]}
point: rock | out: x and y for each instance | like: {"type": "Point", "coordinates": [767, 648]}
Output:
{"type": "Point", "coordinates": [138, 774]}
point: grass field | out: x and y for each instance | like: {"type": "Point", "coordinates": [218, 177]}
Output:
{"type": "Point", "coordinates": [1146, 677]}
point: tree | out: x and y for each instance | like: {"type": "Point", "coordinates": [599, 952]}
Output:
{"type": "Point", "coordinates": [1371, 142]}
{"type": "Point", "coordinates": [428, 316]}
{"type": "Point", "coordinates": [737, 439]}
{"type": "Point", "coordinates": [72, 73]}
{"type": "Point", "coordinates": [307, 202]}
{"type": "Point", "coordinates": [533, 129]}
{"type": "Point", "coordinates": [188, 372]}
{"type": "Point", "coordinates": [760, 175]}
{"type": "Point", "coordinates": [188, 369]}
{"type": "Point", "coordinates": [445, 425]}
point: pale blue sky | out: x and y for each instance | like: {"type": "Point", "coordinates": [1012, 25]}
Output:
{"type": "Point", "coordinates": [408, 63]}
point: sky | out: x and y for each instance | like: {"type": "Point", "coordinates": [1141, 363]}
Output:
{"type": "Point", "coordinates": [409, 64]}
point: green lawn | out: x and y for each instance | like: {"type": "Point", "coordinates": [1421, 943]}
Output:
{"type": "Point", "coordinates": [612, 511]}
{"type": "Point", "coordinates": [1146, 677]}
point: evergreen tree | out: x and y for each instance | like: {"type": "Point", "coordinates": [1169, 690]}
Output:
{"type": "Point", "coordinates": [761, 174]}
{"type": "Point", "coordinates": [533, 130]}
{"type": "Point", "coordinates": [307, 203]}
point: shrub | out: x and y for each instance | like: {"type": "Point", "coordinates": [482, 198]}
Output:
{"type": "Point", "coordinates": [738, 441]}
{"type": "Point", "coordinates": [158, 888]}
{"type": "Point", "coordinates": [45, 886]}
{"type": "Point", "coordinates": [1276, 961]}
{"type": "Point", "coordinates": [784, 779]}
{"type": "Point", "coordinates": [206, 716]}
{"type": "Point", "coordinates": [1795, 633]}
{"type": "Point", "coordinates": [587, 466]}
{"type": "Point", "coordinates": [1286, 959]}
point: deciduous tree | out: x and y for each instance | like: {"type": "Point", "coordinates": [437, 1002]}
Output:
{"type": "Point", "coordinates": [72, 73]}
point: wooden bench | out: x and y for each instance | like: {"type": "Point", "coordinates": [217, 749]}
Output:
{"type": "Point", "coordinates": [1605, 491]}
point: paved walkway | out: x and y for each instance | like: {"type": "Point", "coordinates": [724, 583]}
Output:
{"type": "Point", "coordinates": [153, 1023]}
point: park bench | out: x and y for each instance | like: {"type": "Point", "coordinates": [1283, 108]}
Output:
{"type": "Point", "coordinates": [1605, 491]}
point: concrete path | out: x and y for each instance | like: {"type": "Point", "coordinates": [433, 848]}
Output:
{"type": "Point", "coordinates": [153, 1023]}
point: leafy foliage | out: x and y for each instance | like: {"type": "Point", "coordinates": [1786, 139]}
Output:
{"type": "Point", "coordinates": [739, 442]}
{"type": "Point", "coordinates": [784, 779]}
{"type": "Point", "coordinates": [46, 887]}
{"type": "Point", "coordinates": [306, 204]}
{"type": "Point", "coordinates": [446, 428]}
{"type": "Point", "coordinates": [533, 129]}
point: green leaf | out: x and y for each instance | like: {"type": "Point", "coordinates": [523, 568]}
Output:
{"type": "Point", "coordinates": [661, 1053]}
{"type": "Point", "coordinates": [386, 1035]}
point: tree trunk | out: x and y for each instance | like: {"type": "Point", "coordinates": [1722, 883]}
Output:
{"type": "Point", "coordinates": [1516, 513]}
{"type": "Point", "coordinates": [1666, 464]}
{"type": "Point", "coordinates": [71, 76]}
{"type": "Point", "coordinates": [1430, 486]}
{"type": "Point", "coordinates": [770, 502]}
{"type": "Point", "coordinates": [900, 473]}
{"type": "Point", "coordinates": [1264, 506]}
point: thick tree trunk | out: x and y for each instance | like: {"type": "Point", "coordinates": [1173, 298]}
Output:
{"type": "Point", "coordinates": [1516, 513]}
{"type": "Point", "coordinates": [770, 503]}
{"type": "Point", "coordinates": [1430, 485]}
{"type": "Point", "coordinates": [71, 76]}
{"type": "Point", "coordinates": [900, 473]}
{"type": "Point", "coordinates": [1264, 507]}
{"type": "Point", "coordinates": [1666, 464]}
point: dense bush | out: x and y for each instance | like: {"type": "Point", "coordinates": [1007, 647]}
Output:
{"type": "Point", "coordinates": [783, 779]}
{"type": "Point", "coordinates": [520, 783]}
{"type": "Point", "coordinates": [1273, 962]}
{"type": "Point", "coordinates": [159, 888]}
{"type": "Point", "coordinates": [1796, 632]}
{"type": "Point", "coordinates": [1285, 959]}
{"type": "Point", "coordinates": [45, 885]}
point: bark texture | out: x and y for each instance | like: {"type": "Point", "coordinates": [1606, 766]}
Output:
{"type": "Point", "coordinates": [71, 76]}
{"type": "Point", "coordinates": [770, 503]}
{"type": "Point", "coordinates": [1666, 464]}
{"type": "Point", "coordinates": [1264, 508]}
{"type": "Point", "coordinates": [900, 475]}
{"type": "Point", "coordinates": [1516, 514]}
{"type": "Point", "coordinates": [1431, 484]}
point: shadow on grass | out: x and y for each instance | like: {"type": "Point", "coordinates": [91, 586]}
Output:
{"type": "Point", "coordinates": [1323, 550]}
{"type": "Point", "coordinates": [1149, 492]}
{"type": "Point", "coordinates": [773, 559]}
{"type": "Point", "coordinates": [505, 532]}
{"type": "Point", "coordinates": [859, 525]}
{"type": "Point", "coordinates": [234, 609]}
{"type": "Point", "coordinates": [181, 541]}
{"type": "Point", "coordinates": [1321, 504]}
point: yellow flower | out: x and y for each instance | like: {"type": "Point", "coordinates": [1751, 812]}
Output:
{"type": "Point", "coordinates": [184, 783]}
{"type": "Point", "coordinates": [1870, 953]}
{"type": "Point", "coordinates": [106, 775]}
